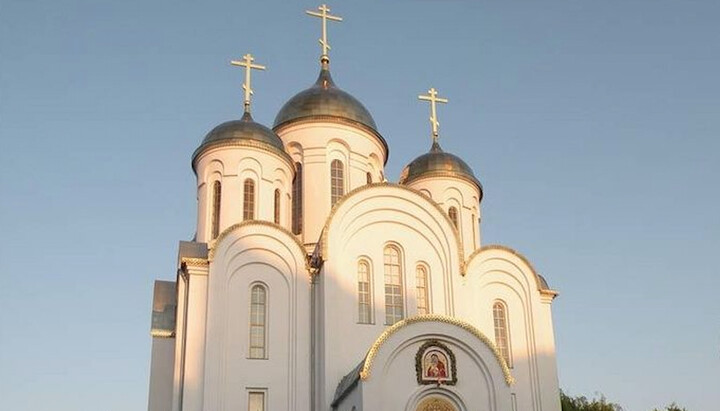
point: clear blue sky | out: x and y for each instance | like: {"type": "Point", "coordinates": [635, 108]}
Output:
{"type": "Point", "coordinates": [593, 125]}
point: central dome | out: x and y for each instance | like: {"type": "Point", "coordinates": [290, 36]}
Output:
{"type": "Point", "coordinates": [324, 99]}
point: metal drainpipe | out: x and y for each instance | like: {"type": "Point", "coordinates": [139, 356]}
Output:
{"type": "Point", "coordinates": [313, 319]}
{"type": "Point", "coordinates": [182, 272]}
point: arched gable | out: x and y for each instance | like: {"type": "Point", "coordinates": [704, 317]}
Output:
{"type": "Point", "coordinates": [365, 204]}
{"type": "Point", "coordinates": [498, 274]}
{"type": "Point", "coordinates": [436, 325]}
{"type": "Point", "coordinates": [391, 373]}
{"type": "Point", "coordinates": [511, 257]}
{"type": "Point", "coordinates": [374, 216]}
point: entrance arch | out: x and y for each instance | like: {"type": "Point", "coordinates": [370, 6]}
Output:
{"type": "Point", "coordinates": [435, 403]}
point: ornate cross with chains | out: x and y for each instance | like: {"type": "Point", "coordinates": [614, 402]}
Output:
{"type": "Point", "coordinates": [323, 14]}
{"type": "Point", "coordinates": [247, 62]}
{"type": "Point", "coordinates": [433, 99]}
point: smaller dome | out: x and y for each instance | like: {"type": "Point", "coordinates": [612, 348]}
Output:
{"type": "Point", "coordinates": [246, 131]}
{"type": "Point", "coordinates": [437, 163]}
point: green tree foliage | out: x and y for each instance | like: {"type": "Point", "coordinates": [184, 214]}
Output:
{"type": "Point", "coordinates": [671, 407]}
{"type": "Point", "coordinates": [582, 403]}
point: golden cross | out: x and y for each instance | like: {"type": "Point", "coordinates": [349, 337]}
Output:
{"type": "Point", "coordinates": [247, 62]}
{"type": "Point", "coordinates": [324, 10]}
{"type": "Point", "coordinates": [433, 99]}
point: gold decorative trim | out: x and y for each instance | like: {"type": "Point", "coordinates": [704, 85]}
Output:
{"type": "Point", "coordinates": [325, 230]}
{"type": "Point", "coordinates": [162, 333]}
{"type": "Point", "coordinates": [213, 243]}
{"type": "Point", "coordinates": [241, 143]}
{"type": "Point", "coordinates": [337, 120]}
{"type": "Point", "coordinates": [197, 262]}
{"type": "Point", "coordinates": [370, 357]}
{"type": "Point", "coordinates": [522, 258]}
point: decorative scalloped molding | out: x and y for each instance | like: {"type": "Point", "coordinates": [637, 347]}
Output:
{"type": "Point", "coordinates": [162, 333]}
{"type": "Point", "coordinates": [370, 357]}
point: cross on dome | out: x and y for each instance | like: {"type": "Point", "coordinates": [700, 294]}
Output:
{"type": "Point", "coordinates": [433, 99]}
{"type": "Point", "coordinates": [325, 16]}
{"type": "Point", "coordinates": [247, 62]}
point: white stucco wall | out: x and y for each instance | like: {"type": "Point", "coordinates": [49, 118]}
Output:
{"type": "Point", "coordinates": [500, 274]}
{"type": "Point", "coordinates": [461, 194]}
{"type": "Point", "coordinates": [245, 255]}
{"type": "Point", "coordinates": [161, 374]}
{"type": "Point", "coordinates": [231, 166]}
{"type": "Point", "coordinates": [392, 384]}
{"type": "Point", "coordinates": [362, 226]}
{"type": "Point", "coordinates": [315, 145]}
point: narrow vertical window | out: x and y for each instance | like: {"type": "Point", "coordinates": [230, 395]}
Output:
{"type": "Point", "coordinates": [502, 338]}
{"type": "Point", "coordinates": [216, 209]}
{"type": "Point", "coordinates": [368, 177]}
{"type": "Point", "coordinates": [453, 214]}
{"type": "Point", "coordinates": [421, 281]}
{"type": "Point", "coordinates": [297, 200]}
{"type": "Point", "coordinates": [249, 199]}
{"type": "Point", "coordinates": [276, 215]}
{"type": "Point", "coordinates": [337, 181]}
{"type": "Point", "coordinates": [258, 321]}
{"type": "Point", "coordinates": [256, 401]}
{"type": "Point", "coordinates": [474, 229]}
{"type": "Point", "coordinates": [393, 286]}
{"type": "Point", "coordinates": [364, 301]}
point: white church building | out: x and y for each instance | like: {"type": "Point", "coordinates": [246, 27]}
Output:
{"type": "Point", "coordinates": [314, 284]}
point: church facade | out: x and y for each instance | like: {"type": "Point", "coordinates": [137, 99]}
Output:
{"type": "Point", "coordinates": [314, 284]}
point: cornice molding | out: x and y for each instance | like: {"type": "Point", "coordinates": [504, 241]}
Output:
{"type": "Point", "coordinates": [337, 120]}
{"type": "Point", "coordinates": [269, 148]}
{"type": "Point", "coordinates": [162, 333]}
{"type": "Point", "coordinates": [195, 262]}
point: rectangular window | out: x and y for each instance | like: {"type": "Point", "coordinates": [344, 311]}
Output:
{"type": "Point", "coordinates": [258, 320]}
{"type": "Point", "coordinates": [337, 181]}
{"type": "Point", "coordinates": [216, 209]}
{"type": "Point", "coordinates": [297, 200]}
{"type": "Point", "coordinates": [502, 339]}
{"type": "Point", "coordinates": [249, 200]}
{"type": "Point", "coordinates": [364, 304]}
{"type": "Point", "coordinates": [256, 401]}
{"type": "Point", "coordinates": [394, 304]}
{"type": "Point", "coordinates": [422, 290]}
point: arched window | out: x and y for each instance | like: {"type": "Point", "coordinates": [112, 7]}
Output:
{"type": "Point", "coordinates": [297, 200]}
{"type": "Point", "coordinates": [248, 199]}
{"type": "Point", "coordinates": [421, 281]}
{"type": "Point", "coordinates": [364, 299]}
{"type": "Point", "coordinates": [453, 214]}
{"type": "Point", "coordinates": [368, 177]}
{"type": "Point", "coordinates": [394, 304]}
{"type": "Point", "coordinates": [258, 321]}
{"type": "Point", "coordinates": [337, 181]}
{"type": "Point", "coordinates": [216, 209]}
{"type": "Point", "coordinates": [502, 336]}
{"type": "Point", "coordinates": [276, 215]}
